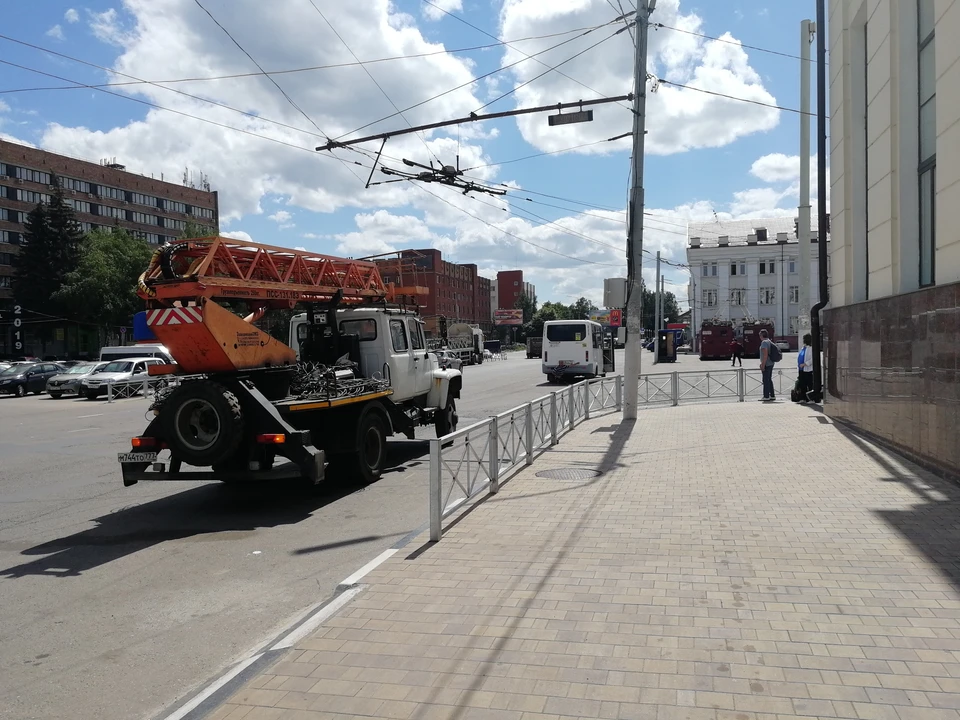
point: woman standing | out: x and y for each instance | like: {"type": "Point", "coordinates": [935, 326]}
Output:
{"type": "Point", "coordinates": [805, 367]}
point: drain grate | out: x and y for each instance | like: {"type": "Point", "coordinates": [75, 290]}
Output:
{"type": "Point", "coordinates": [569, 474]}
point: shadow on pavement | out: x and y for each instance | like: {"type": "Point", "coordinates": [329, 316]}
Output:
{"type": "Point", "coordinates": [201, 511]}
{"type": "Point", "coordinates": [931, 524]}
{"type": "Point", "coordinates": [610, 460]}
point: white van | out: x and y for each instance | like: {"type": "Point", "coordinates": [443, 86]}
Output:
{"type": "Point", "coordinates": [572, 348]}
{"type": "Point", "coordinates": [143, 350]}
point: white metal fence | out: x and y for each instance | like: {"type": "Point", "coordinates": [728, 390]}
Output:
{"type": "Point", "coordinates": [476, 458]}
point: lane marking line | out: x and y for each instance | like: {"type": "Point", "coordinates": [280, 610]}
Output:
{"type": "Point", "coordinates": [81, 417]}
{"type": "Point", "coordinates": [369, 567]}
{"type": "Point", "coordinates": [316, 620]}
{"type": "Point", "coordinates": [194, 702]}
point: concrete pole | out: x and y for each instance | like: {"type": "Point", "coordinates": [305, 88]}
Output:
{"type": "Point", "coordinates": [631, 366]}
{"type": "Point", "coordinates": [803, 211]}
{"type": "Point", "coordinates": [656, 313]}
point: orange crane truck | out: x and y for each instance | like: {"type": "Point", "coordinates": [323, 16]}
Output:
{"type": "Point", "coordinates": [356, 370]}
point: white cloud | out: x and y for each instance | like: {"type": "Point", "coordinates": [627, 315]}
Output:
{"type": "Point", "coordinates": [237, 235]}
{"type": "Point", "coordinates": [435, 11]}
{"type": "Point", "coordinates": [4, 107]}
{"type": "Point", "coordinates": [301, 248]}
{"type": "Point", "coordinates": [71, 16]}
{"type": "Point", "coordinates": [281, 216]}
{"type": "Point", "coordinates": [678, 119]}
{"type": "Point", "coordinates": [107, 27]}
{"type": "Point", "coordinates": [56, 32]}
{"type": "Point", "coordinates": [13, 139]}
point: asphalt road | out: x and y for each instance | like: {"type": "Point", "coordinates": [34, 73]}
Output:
{"type": "Point", "coordinates": [117, 602]}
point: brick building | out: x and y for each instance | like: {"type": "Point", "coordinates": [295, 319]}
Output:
{"type": "Point", "coordinates": [457, 292]}
{"type": "Point", "coordinates": [510, 286]}
{"type": "Point", "coordinates": [102, 195]}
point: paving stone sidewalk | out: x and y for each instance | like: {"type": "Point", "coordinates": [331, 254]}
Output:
{"type": "Point", "coordinates": [732, 562]}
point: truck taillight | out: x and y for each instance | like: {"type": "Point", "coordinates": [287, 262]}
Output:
{"type": "Point", "coordinates": [143, 442]}
{"type": "Point", "coordinates": [271, 439]}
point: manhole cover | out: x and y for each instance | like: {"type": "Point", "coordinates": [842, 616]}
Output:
{"type": "Point", "coordinates": [569, 474]}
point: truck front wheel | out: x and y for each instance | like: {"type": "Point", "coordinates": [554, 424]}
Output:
{"type": "Point", "coordinates": [202, 422]}
{"type": "Point", "coordinates": [446, 420]}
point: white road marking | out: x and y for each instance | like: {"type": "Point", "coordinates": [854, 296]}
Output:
{"type": "Point", "coordinates": [213, 687]}
{"type": "Point", "coordinates": [317, 620]}
{"type": "Point", "coordinates": [94, 427]}
{"type": "Point", "coordinates": [369, 567]}
{"type": "Point", "coordinates": [81, 417]}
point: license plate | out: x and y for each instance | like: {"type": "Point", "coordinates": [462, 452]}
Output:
{"type": "Point", "coordinates": [138, 457]}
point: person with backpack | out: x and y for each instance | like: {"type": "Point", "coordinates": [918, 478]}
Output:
{"type": "Point", "coordinates": [769, 355]}
{"type": "Point", "coordinates": [805, 367]}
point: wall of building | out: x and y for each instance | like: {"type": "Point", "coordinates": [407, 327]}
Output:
{"type": "Point", "coordinates": [893, 324]}
{"type": "Point", "coordinates": [102, 196]}
{"type": "Point", "coordinates": [509, 288]}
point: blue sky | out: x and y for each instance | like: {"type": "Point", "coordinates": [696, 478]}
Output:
{"type": "Point", "coordinates": [705, 154]}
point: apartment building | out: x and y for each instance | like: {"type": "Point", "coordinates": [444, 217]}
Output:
{"type": "Point", "coordinates": [892, 328]}
{"type": "Point", "coordinates": [102, 195]}
{"type": "Point", "coordinates": [510, 286]}
{"type": "Point", "coordinates": [749, 270]}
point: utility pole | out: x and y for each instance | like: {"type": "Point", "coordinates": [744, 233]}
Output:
{"type": "Point", "coordinates": [816, 327]}
{"type": "Point", "coordinates": [656, 313]}
{"type": "Point", "coordinates": [807, 28]}
{"type": "Point", "coordinates": [631, 366]}
{"type": "Point", "coordinates": [663, 302]}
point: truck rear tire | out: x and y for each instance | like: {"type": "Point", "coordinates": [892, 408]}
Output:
{"type": "Point", "coordinates": [447, 418]}
{"type": "Point", "coordinates": [371, 452]}
{"type": "Point", "coordinates": [203, 423]}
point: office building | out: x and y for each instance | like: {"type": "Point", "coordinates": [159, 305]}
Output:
{"type": "Point", "coordinates": [748, 270]}
{"type": "Point", "coordinates": [102, 195]}
{"type": "Point", "coordinates": [510, 286]}
{"type": "Point", "coordinates": [892, 328]}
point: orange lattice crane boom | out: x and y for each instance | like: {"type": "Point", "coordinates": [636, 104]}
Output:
{"type": "Point", "coordinates": [184, 278]}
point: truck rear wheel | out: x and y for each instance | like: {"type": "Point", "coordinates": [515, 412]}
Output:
{"type": "Point", "coordinates": [202, 422]}
{"type": "Point", "coordinates": [446, 421]}
{"type": "Point", "coordinates": [371, 453]}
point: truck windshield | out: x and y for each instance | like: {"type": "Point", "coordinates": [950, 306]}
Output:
{"type": "Point", "coordinates": [568, 332]}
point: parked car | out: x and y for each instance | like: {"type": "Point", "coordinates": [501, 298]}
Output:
{"type": "Point", "coordinates": [69, 380]}
{"type": "Point", "coordinates": [22, 378]}
{"type": "Point", "coordinates": [118, 372]}
{"type": "Point", "coordinates": [784, 346]}
{"type": "Point", "coordinates": [448, 360]}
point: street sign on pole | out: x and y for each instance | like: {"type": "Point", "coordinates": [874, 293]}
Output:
{"type": "Point", "coordinates": [571, 118]}
{"type": "Point", "coordinates": [123, 330]}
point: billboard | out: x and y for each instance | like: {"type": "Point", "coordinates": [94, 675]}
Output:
{"type": "Point", "coordinates": [616, 318]}
{"type": "Point", "coordinates": [508, 317]}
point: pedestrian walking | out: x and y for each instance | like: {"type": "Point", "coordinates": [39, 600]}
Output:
{"type": "Point", "coordinates": [736, 351]}
{"type": "Point", "coordinates": [805, 367]}
{"type": "Point", "coordinates": [769, 354]}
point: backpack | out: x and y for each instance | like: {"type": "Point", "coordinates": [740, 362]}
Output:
{"type": "Point", "coordinates": [774, 352]}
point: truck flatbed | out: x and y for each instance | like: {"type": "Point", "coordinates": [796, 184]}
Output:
{"type": "Point", "coordinates": [295, 404]}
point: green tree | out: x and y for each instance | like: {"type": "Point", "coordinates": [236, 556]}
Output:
{"type": "Point", "coordinates": [102, 289]}
{"type": "Point", "coordinates": [581, 309]}
{"type": "Point", "coordinates": [528, 305]}
{"type": "Point", "coordinates": [49, 252]}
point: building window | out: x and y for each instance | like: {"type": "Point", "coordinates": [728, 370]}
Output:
{"type": "Point", "coordinates": [141, 199]}
{"type": "Point", "coordinates": [928, 140]}
{"type": "Point", "coordinates": [29, 196]}
{"type": "Point", "coordinates": [75, 185]}
{"type": "Point", "coordinates": [113, 212]}
{"type": "Point", "coordinates": [207, 214]}
{"type": "Point", "coordinates": [144, 218]}
{"type": "Point", "coordinates": [792, 266]}
{"type": "Point", "coordinates": [174, 224]}
{"type": "Point", "coordinates": [710, 298]}
{"type": "Point", "coordinates": [794, 293]}
{"type": "Point", "coordinates": [738, 296]}
{"type": "Point", "coordinates": [794, 324]}
{"type": "Point", "coordinates": [87, 227]}
{"type": "Point", "coordinates": [78, 205]}
{"type": "Point", "coordinates": [763, 268]}
{"type": "Point", "coordinates": [174, 206]}
{"type": "Point", "coordinates": [14, 216]}
{"type": "Point", "coordinates": [709, 269]}
{"type": "Point", "coordinates": [5, 281]}
{"type": "Point", "coordinates": [33, 176]}
{"type": "Point", "coordinates": [111, 193]}
{"type": "Point", "coordinates": [768, 296]}
{"type": "Point", "coordinates": [733, 268]}
{"type": "Point", "coordinates": [6, 258]}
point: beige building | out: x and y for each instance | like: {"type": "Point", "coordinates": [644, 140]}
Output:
{"type": "Point", "coordinates": [893, 323]}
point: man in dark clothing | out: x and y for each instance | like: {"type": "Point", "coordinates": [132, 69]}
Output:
{"type": "Point", "coordinates": [766, 367]}
{"type": "Point", "coordinates": [736, 351]}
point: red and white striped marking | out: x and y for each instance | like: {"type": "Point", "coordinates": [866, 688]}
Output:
{"type": "Point", "coordinates": [174, 316]}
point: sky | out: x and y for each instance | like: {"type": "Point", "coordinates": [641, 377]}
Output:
{"type": "Point", "coordinates": [342, 70]}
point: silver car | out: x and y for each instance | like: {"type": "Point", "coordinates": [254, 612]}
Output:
{"type": "Point", "coordinates": [118, 372]}
{"type": "Point", "coordinates": [69, 382]}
